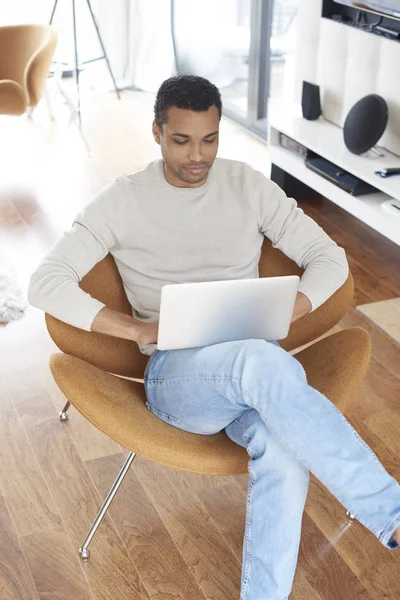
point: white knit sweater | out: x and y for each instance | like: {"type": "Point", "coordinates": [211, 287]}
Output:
{"type": "Point", "coordinates": [160, 234]}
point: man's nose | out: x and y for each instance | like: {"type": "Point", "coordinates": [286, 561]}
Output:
{"type": "Point", "coordinates": [195, 153]}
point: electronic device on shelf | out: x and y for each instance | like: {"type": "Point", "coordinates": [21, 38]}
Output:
{"type": "Point", "coordinates": [388, 172]}
{"type": "Point", "coordinates": [311, 101]}
{"type": "Point", "coordinates": [365, 123]}
{"type": "Point", "coordinates": [290, 144]}
{"type": "Point", "coordinates": [388, 32]}
{"type": "Point", "coordinates": [338, 176]}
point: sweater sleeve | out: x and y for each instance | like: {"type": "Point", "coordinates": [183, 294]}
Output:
{"type": "Point", "coordinates": [53, 286]}
{"type": "Point", "coordinates": [301, 239]}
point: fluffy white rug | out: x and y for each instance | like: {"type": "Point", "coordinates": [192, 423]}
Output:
{"type": "Point", "coordinates": [12, 301]}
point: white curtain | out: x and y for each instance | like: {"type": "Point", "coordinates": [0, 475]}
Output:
{"type": "Point", "coordinates": [137, 36]}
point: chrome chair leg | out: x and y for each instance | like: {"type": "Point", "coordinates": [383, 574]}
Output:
{"type": "Point", "coordinates": [350, 515]}
{"type": "Point", "coordinates": [83, 550]}
{"type": "Point", "coordinates": [63, 415]}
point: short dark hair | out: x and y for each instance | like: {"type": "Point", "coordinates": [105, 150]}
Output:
{"type": "Point", "coordinates": [185, 91]}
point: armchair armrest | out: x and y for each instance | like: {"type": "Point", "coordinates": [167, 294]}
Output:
{"type": "Point", "coordinates": [322, 319]}
{"type": "Point", "coordinates": [38, 67]}
{"type": "Point", "coordinates": [12, 98]}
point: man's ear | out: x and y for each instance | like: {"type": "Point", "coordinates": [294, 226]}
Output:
{"type": "Point", "coordinates": [156, 132]}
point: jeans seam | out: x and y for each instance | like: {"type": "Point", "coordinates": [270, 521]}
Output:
{"type": "Point", "coordinates": [241, 424]}
{"type": "Point", "coordinates": [247, 565]}
{"type": "Point", "coordinates": [247, 532]}
{"type": "Point", "coordinates": [371, 453]}
{"type": "Point", "coordinates": [193, 377]}
{"type": "Point", "coordinates": [248, 526]}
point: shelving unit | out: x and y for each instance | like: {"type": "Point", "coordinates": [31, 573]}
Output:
{"type": "Point", "coordinates": [326, 139]}
{"type": "Point", "coordinates": [349, 15]}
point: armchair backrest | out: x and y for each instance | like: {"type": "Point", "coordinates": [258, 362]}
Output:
{"type": "Point", "coordinates": [123, 357]}
{"type": "Point", "coordinates": [26, 53]}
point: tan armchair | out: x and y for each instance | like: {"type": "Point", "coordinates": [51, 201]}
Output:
{"type": "Point", "coordinates": [335, 365]}
{"type": "Point", "coordinates": [26, 53]}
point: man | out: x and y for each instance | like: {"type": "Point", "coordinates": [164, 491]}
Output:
{"type": "Point", "coordinates": [193, 217]}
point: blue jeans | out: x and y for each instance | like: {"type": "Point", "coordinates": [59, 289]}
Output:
{"type": "Point", "coordinates": [258, 393]}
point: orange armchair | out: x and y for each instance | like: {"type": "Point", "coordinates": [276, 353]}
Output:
{"type": "Point", "coordinates": [26, 53]}
{"type": "Point", "coordinates": [87, 372]}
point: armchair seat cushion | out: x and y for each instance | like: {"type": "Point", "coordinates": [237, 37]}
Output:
{"type": "Point", "coordinates": [336, 366]}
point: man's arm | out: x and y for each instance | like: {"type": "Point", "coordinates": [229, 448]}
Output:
{"type": "Point", "coordinates": [301, 239]}
{"type": "Point", "coordinates": [54, 286]}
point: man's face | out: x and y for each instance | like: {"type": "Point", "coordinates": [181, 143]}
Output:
{"type": "Point", "coordinates": [189, 145]}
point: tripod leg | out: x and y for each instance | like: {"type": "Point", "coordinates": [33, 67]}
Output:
{"type": "Point", "coordinates": [76, 62]}
{"type": "Point", "coordinates": [53, 11]}
{"type": "Point", "coordinates": [103, 48]}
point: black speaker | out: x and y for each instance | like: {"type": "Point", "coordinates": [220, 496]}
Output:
{"type": "Point", "coordinates": [310, 102]}
{"type": "Point", "coordinates": [365, 123]}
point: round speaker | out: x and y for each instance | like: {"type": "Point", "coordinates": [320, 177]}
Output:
{"type": "Point", "coordinates": [365, 123]}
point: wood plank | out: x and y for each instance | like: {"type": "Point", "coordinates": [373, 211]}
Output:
{"type": "Point", "coordinates": [386, 425]}
{"type": "Point", "coordinates": [54, 566]}
{"type": "Point", "coordinates": [372, 563]}
{"type": "Point", "coordinates": [227, 507]}
{"type": "Point", "coordinates": [90, 442]}
{"type": "Point", "coordinates": [210, 559]}
{"type": "Point", "coordinates": [341, 227]}
{"type": "Point", "coordinates": [384, 349]}
{"type": "Point", "coordinates": [366, 284]}
{"type": "Point", "coordinates": [109, 568]}
{"type": "Point", "coordinates": [360, 231]}
{"type": "Point", "coordinates": [15, 579]}
{"type": "Point", "coordinates": [382, 388]}
{"type": "Point", "coordinates": [24, 488]}
{"type": "Point", "coordinates": [325, 569]}
{"type": "Point", "coordinates": [29, 396]}
{"type": "Point", "coordinates": [164, 572]}
{"type": "Point", "coordinates": [302, 589]}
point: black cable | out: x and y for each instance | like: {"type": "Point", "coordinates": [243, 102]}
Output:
{"type": "Point", "coordinates": [362, 16]}
{"type": "Point", "coordinates": [378, 22]}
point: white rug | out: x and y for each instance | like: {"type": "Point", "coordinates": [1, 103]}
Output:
{"type": "Point", "coordinates": [12, 301]}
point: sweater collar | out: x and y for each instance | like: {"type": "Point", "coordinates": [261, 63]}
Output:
{"type": "Point", "coordinates": [189, 192]}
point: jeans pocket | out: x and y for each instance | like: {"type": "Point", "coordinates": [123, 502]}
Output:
{"type": "Point", "coordinates": [170, 420]}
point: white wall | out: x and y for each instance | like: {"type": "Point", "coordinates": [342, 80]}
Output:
{"type": "Point", "coordinates": [348, 64]}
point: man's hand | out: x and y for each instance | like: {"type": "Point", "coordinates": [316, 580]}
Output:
{"type": "Point", "coordinates": [148, 334]}
{"type": "Point", "coordinates": [112, 322]}
{"type": "Point", "coordinates": [302, 306]}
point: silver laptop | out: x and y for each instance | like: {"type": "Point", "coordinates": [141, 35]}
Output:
{"type": "Point", "coordinates": [201, 314]}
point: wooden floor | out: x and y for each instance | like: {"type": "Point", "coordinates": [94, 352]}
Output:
{"type": "Point", "coordinates": [385, 314]}
{"type": "Point", "coordinates": [169, 534]}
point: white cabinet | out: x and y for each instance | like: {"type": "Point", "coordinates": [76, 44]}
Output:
{"type": "Point", "coordinates": [379, 211]}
